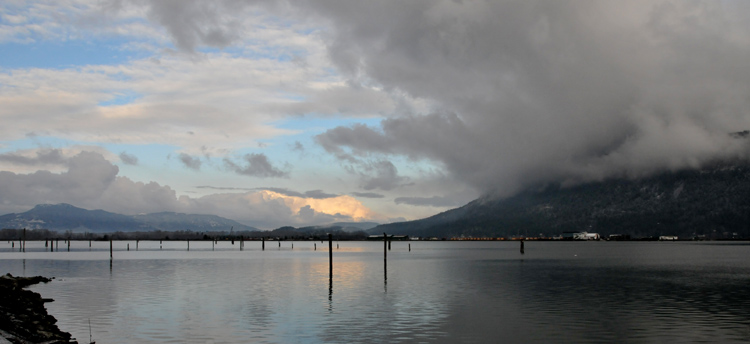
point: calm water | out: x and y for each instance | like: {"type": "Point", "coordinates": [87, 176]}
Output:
{"type": "Point", "coordinates": [440, 292]}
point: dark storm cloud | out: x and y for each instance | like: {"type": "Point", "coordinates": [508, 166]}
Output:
{"type": "Point", "coordinates": [317, 194]}
{"type": "Point", "coordinates": [128, 159]}
{"type": "Point", "coordinates": [197, 23]}
{"type": "Point", "coordinates": [381, 174]}
{"type": "Point", "coordinates": [297, 146]}
{"type": "Point", "coordinates": [368, 195]}
{"type": "Point", "coordinates": [548, 91]}
{"type": "Point", "coordinates": [435, 201]}
{"type": "Point", "coordinates": [190, 162]}
{"type": "Point", "coordinates": [41, 157]}
{"type": "Point", "coordinates": [226, 188]}
{"type": "Point", "coordinates": [525, 92]}
{"type": "Point", "coordinates": [256, 165]}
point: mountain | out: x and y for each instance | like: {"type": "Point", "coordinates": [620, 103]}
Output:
{"type": "Point", "coordinates": [64, 217]}
{"type": "Point", "coordinates": [354, 226]}
{"type": "Point", "coordinates": [713, 201]}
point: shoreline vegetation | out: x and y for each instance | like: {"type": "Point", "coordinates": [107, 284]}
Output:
{"type": "Point", "coordinates": [23, 317]}
{"type": "Point", "coordinates": [16, 235]}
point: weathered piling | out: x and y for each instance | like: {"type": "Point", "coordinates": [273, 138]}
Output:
{"type": "Point", "coordinates": [128, 247]}
{"type": "Point", "coordinates": [188, 244]}
{"type": "Point", "coordinates": [263, 243]}
{"type": "Point", "coordinates": [68, 245]}
{"type": "Point", "coordinates": [315, 246]}
{"type": "Point", "coordinates": [385, 246]}
{"type": "Point", "coordinates": [330, 256]}
{"type": "Point", "coordinates": [24, 240]}
{"type": "Point", "coordinates": [522, 246]}
{"type": "Point", "coordinates": [409, 247]}
{"type": "Point", "coordinates": [110, 251]}
{"type": "Point", "coordinates": [136, 244]}
{"type": "Point", "coordinates": [279, 242]}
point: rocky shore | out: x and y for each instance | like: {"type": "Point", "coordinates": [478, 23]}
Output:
{"type": "Point", "coordinates": [23, 318]}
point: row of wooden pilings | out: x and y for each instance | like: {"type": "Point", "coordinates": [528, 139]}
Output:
{"type": "Point", "coordinates": [386, 248]}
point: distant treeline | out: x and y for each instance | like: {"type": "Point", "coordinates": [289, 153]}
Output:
{"type": "Point", "coordinates": [284, 233]}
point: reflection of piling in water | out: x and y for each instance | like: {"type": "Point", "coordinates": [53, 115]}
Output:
{"type": "Point", "coordinates": [385, 260]}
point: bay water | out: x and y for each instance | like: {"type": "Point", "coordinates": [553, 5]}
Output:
{"type": "Point", "coordinates": [424, 292]}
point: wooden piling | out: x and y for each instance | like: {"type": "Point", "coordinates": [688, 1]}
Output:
{"type": "Point", "coordinates": [409, 247]}
{"type": "Point", "coordinates": [263, 243]}
{"type": "Point", "coordinates": [330, 256]}
{"type": "Point", "coordinates": [24, 239]}
{"type": "Point", "coordinates": [385, 246]}
{"type": "Point", "coordinates": [68, 245]}
{"type": "Point", "coordinates": [136, 244]}
{"type": "Point", "coordinates": [110, 250]}
{"type": "Point", "coordinates": [521, 246]}
{"type": "Point", "coordinates": [188, 243]}
{"type": "Point", "coordinates": [315, 246]}
{"type": "Point", "coordinates": [128, 247]}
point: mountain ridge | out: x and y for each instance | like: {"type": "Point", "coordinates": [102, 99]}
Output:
{"type": "Point", "coordinates": [66, 217]}
{"type": "Point", "coordinates": [713, 201]}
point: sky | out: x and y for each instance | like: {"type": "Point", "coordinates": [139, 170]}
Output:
{"type": "Point", "coordinates": [276, 113]}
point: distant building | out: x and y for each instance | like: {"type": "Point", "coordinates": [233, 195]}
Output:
{"type": "Point", "coordinates": [668, 238]}
{"type": "Point", "coordinates": [580, 236]}
{"type": "Point", "coordinates": [618, 237]}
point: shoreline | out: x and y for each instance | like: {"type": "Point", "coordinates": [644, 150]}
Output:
{"type": "Point", "coordinates": [23, 317]}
